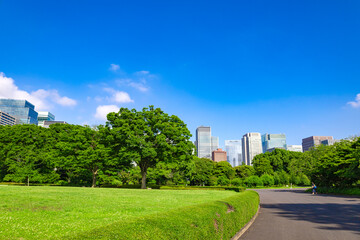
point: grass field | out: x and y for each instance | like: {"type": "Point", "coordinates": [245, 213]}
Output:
{"type": "Point", "coordinates": [85, 213]}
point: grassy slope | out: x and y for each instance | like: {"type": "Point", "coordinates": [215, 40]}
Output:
{"type": "Point", "coordinates": [49, 212]}
{"type": "Point", "coordinates": [203, 221]}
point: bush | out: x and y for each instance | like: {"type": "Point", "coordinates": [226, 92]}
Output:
{"type": "Point", "coordinates": [223, 181]}
{"type": "Point", "coordinates": [237, 182]}
{"type": "Point", "coordinates": [267, 180]}
{"type": "Point", "coordinates": [304, 180]}
{"type": "Point", "coordinates": [253, 181]}
{"type": "Point", "coordinates": [276, 179]}
{"type": "Point", "coordinates": [284, 177]}
{"type": "Point", "coordinates": [295, 180]}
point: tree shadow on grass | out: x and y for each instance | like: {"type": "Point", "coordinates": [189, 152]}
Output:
{"type": "Point", "coordinates": [327, 216]}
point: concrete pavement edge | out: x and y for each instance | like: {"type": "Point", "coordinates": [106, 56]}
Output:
{"type": "Point", "coordinates": [246, 227]}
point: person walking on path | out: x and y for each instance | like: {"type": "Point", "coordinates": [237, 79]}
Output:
{"type": "Point", "coordinates": [314, 188]}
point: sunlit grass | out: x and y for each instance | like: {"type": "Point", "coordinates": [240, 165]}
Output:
{"type": "Point", "coordinates": [52, 212]}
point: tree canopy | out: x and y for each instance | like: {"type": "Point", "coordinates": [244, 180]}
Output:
{"type": "Point", "coordinates": [150, 136]}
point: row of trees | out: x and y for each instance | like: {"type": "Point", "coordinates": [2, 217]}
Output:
{"type": "Point", "coordinates": [149, 146]}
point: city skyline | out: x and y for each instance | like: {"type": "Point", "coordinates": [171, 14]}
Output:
{"type": "Point", "coordinates": [238, 67]}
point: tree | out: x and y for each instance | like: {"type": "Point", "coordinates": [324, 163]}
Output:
{"type": "Point", "coordinates": [244, 171]}
{"type": "Point", "coordinates": [150, 136]}
{"type": "Point", "coordinates": [202, 171]}
{"type": "Point", "coordinates": [225, 169]}
{"type": "Point", "coordinates": [267, 180]}
{"type": "Point", "coordinates": [81, 149]}
{"type": "Point", "coordinates": [26, 151]}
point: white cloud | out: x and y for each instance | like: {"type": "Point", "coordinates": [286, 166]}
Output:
{"type": "Point", "coordinates": [42, 99]}
{"type": "Point", "coordinates": [137, 80]}
{"type": "Point", "coordinates": [139, 86]}
{"type": "Point", "coordinates": [103, 110]}
{"type": "Point", "coordinates": [114, 67]}
{"type": "Point", "coordinates": [356, 103]}
{"type": "Point", "coordinates": [118, 96]}
{"type": "Point", "coordinates": [122, 97]}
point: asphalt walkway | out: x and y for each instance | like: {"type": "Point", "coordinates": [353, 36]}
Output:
{"type": "Point", "coordinates": [292, 214]}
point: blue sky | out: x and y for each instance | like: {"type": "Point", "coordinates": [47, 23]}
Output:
{"type": "Point", "coordinates": [238, 66]}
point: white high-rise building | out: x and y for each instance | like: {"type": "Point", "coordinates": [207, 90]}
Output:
{"type": "Point", "coordinates": [205, 143]}
{"type": "Point", "coordinates": [251, 146]}
{"type": "Point", "coordinates": [233, 150]}
{"type": "Point", "coordinates": [214, 143]}
{"type": "Point", "coordinates": [294, 148]}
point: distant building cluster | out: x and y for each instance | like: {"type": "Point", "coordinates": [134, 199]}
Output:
{"type": "Point", "coordinates": [242, 152]}
{"type": "Point", "coordinates": [14, 111]}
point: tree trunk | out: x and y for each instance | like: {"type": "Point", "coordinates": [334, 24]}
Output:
{"type": "Point", "coordinates": [28, 181]}
{"type": "Point", "coordinates": [94, 178]}
{"type": "Point", "coordinates": [143, 178]}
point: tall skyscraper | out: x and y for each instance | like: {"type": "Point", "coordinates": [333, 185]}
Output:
{"type": "Point", "coordinates": [214, 143]}
{"type": "Point", "coordinates": [22, 110]}
{"type": "Point", "coordinates": [203, 142]}
{"type": "Point", "coordinates": [45, 116]}
{"type": "Point", "coordinates": [233, 150]}
{"type": "Point", "coordinates": [310, 142]}
{"type": "Point", "coordinates": [270, 141]}
{"type": "Point", "coordinates": [251, 146]}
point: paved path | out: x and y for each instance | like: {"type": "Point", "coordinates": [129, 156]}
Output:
{"type": "Point", "coordinates": [292, 214]}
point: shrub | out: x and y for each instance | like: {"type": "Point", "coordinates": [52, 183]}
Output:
{"type": "Point", "coordinates": [253, 181]}
{"type": "Point", "coordinates": [276, 179]}
{"type": "Point", "coordinates": [267, 180]}
{"type": "Point", "coordinates": [304, 180]}
{"type": "Point", "coordinates": [237, 182]}
{"type": "Point", "coordinates": [223, 181]}
{"type": "Point", "coordinates": [295, 180]}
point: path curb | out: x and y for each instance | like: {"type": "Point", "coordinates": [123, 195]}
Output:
{"type": "Point", "coordinates": [246, 227]}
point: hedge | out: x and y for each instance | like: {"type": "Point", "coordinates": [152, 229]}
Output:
{"type": "Point", "coordinates": [212, 221]}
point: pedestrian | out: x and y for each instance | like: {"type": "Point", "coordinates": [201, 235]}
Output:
{"type": "Point", "coordinates": [314, 188]}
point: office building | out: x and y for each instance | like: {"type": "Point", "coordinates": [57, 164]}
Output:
{"type": "Point", "coordinates": [219, 155]}
{"type": "Point", "coordinates": [270, 141]}
{"type": "Point", "coordinates": [47, 124]}
{"type": "Point", "coordinates": [313, 141]}
{"type": "Point", "coordinates": [6, 119]}
{"type": "Point", "coordinates": [22, 110]}
{"type": "Point", "coordinates": [214, 143]}
{"type": "Point", "coordinates": [45, 116]}
{"type": "Point", "coordinates": [329, 142]}
{"type": "Point", "coordinates": [233, 150]}
{"type": "Point", "coordinates": [205, 143]}
{"type": "Point", "coordinates": [251, 146]}
{"type": "Point", "coordinates": [294, 148]}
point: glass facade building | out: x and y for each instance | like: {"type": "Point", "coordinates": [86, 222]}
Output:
{"type": "Point", "coordinates": [251, 146]}
{"type": "Point", "coordinates": [22, 110]}
{"type": "Point", "coordinates": [233, 150]}
{"type": "Point", "coordinates": [6, 119]}
{"type": "Point", "coordinates": [203, 142]}
{"type": "Point", "coordinates": [45, 116]}
{"type": "Point", "coordinates": [214, 143]}
{"type": "Point", "coordinates": [270, 141]}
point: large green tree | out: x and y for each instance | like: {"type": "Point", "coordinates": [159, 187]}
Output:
{"type": "Point", "coordinates": [82, 150]}
{"type": "Point", "coordinates": [150, 136]}
{"type": "Point", "coordinates": [26, 150]}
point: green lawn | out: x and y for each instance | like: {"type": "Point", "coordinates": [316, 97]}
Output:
{"type": "Point", "coordinates": [64, 212]}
